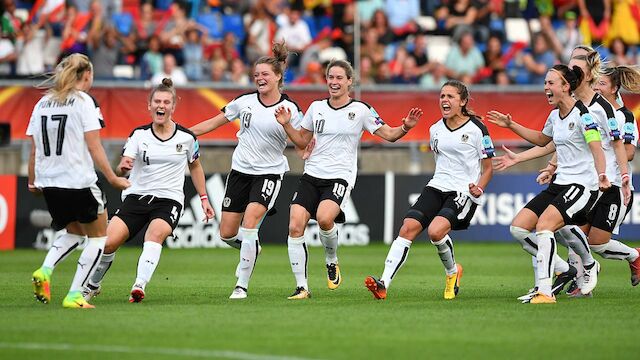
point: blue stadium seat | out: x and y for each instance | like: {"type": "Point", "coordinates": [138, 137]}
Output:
{"type": "Point", "coordinates": [323, 22]}
{"type": "Point", "coordinates": [212, 23]}
{"type": "Point", "coordinates": [122, 22]}
{"type": "Point", "coordinates": [233, 23]}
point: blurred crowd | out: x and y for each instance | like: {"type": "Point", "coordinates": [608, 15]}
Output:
{"type": "Point", "coordinates": [421, 42]}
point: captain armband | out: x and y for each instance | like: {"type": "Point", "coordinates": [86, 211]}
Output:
{"type": "Point", "coordinates": [592, 135]}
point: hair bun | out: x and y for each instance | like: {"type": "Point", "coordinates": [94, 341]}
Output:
{"type": "Point", "coordinates": [167, 82]}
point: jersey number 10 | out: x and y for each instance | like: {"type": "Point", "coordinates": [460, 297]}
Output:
{"type": "Point", "coordinates": [62, 119]}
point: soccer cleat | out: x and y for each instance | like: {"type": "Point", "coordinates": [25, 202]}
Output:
{"type": "Point", "coordinates": [91, 291]}
{"type": "Point", "coordinates": [137, 294]}
{"type": "Point", "coordinates": [300, 293]}
{"type": "Point", "coordinates": [563, 279]}
{"type": "Point", "coordinates": [541, 298]}
{"type": "Point", "coordinates": [41, 280]}
{"type": "Point", "coordinates": [635, 270]}
{"type": "Point", "coordinates": [452, 284]}
{"type": "Point", "coordinates": [74, 300]}
{"type": "Point", "coordinates": [590, 278]}
{"type": "Point", "coordinates": [334, 279]}
{"type": "Point", "coordinates": [529, 295]}
{"type": "Point", "coordinates": [376, 287]}
{"type": "Point", "coordinates": [238, 293]}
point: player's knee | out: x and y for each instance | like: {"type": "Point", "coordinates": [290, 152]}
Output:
{"type": "Point", "coordinates": [296, 229]}
{"type": "Point", "coordinates": [110, 248]}
{"type": "Point", "coordinates": [227, 232]}
{"type": "Point", "coordinates": [436, 233]}
{"type": "Point", "coordinates": [518, 232]}
{"type": "Point", "coordinates": [325, 222]}
{"type": "Point", "coordinates": [410, 229]}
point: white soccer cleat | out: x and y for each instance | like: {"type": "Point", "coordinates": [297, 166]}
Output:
{"type": "Point", "coordinates": [529, 295]}
{"type": "Point", "coordinates": [590, 279]}
{"type": "Point", "coordinates": [137, 294]}
{"type": "Point", "coordinates": [238, 293]}
{"type": "Point", "coordinates": [90, 291]}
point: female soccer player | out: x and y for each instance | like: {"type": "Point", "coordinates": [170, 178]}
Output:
{"type": "Point", "coordinates": [65, 143]}
{"type": "Point", "coordinates": [463, 151]}
{"type": "Point", "coordinates": [608, 85]}
{"type": "Point", "coordinates": [580, 173]}
{"type": "Point", "coordinates": [600, 226]}
{"type": "Point", "coordinates": [330, 171]}
{"type": "Point", "coordinates": [258, 163]}
{"type": "Point", "coordinates": [157, 156]}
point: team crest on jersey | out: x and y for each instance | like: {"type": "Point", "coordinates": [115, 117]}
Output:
{"type": "Point", "coordinates": [572, 125]}
{"type": "Point", "coordinates": [179, 148]}
{"type": "Point", "coordinates": [465, 138]}
{"type": "Point", "coordinates": [226, 202]}
{"type": "Point", "coordinates": [352, 116]}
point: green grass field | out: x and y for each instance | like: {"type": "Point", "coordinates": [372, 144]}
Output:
{"type": "Point", "coordinates": [187, 313]}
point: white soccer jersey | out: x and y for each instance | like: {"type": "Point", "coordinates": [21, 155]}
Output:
{"type": "Point", "coordinates": [261, 139]}
{"type": "Point", "coordinates": [630, 133]}
{"type": "Point", "coordinates": [338, 132]}
{"type": "Point", "coordinates": [575, 161]}
{"type": "Point", "coordinates": [458, 154]}
{"type": "Point", "coordinates": [62, 158]}
{"type": "Point", "coordinates": [159, 165]}
{"type": "Point", "coordinates": [610, 129]}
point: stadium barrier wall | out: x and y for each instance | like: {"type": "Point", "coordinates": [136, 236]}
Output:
{"type": "Point", "coordinates": [126, 108]}
{"type": "Point", "coordinates": [374, 212]}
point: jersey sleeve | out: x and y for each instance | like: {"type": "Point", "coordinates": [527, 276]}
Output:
{"type": "Point", "coordinates": [486, 150]}
{"type": "Point", "coordinates": [372, 121]}
{"type": "Point", "coordinates": [131, 147]}
{"type": "Point", "coordinates": [232, 110]}
{"type": "Point", "coordinates": [307, 120]}
{"type": "Point", "coordinates": [614, 128]}
{"type": "Point", "coordinates": [193, 152]}
{"type": "Point", "coordinates": [91, 115]}
{"type": "Point", "coordinates": [629, 129]}
{"type": "Point", "coordinates": [589, 128]}
{"type": "Point", "coordinates": [548, 127]}
{"type": "Point", "coordinates": [296, 117]}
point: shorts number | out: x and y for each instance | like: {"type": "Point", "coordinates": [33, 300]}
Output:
{"type": "Point", "coordinates": [571, 194]}
{"type": "Point", "coordinates": [268, 187]}
{"type": "Point", "coordinates": [460, 200]}
{"type": "Point", "coordinates": [320, 126]}
{"type": "Point", "coordinates": [613, 211]}
{"type": "Point", "coordinates": [62, 122]}
{"type": "Point", "coordinates": [174, 214]}
{"type": "Point", "coordinates": [339, 190]}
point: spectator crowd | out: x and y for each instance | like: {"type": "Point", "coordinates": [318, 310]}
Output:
{"type": "Point", "coordinates": [420, 42]}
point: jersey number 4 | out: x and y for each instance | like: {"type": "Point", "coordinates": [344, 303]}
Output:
{"type": "Point", "coordinates": [62, 119]}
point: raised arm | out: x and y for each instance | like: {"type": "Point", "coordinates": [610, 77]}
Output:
{"type": "Point", "coordinates": [533, 136]}
{"type": "Point", "coordinates": [209, 124]}
{"type": "Point", "coordinates": [300, 138]}
{"type": "Point", "coordinates": [394, 133]}
{"type": "Point", "coordinates": [511, 158]}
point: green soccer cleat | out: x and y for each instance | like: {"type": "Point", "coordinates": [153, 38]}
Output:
{"type": "Point", "coordinates": [41, 280]}
{"type": "Point", "coordinates": [75, 300]}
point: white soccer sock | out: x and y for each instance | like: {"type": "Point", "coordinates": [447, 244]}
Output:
{"type": "Point", "coordinates": [546, 259]}
{"type": "Point", "coordinates": [148, 262]}
{"type": "Point", "coordinates": [559, 265]}
{"type": "Point", "coordinates": [234, 241]}
{"type": "Point", "coordinates": [248, 256]}
{"type": "Point", "coordinates": [534, 264]}
{"type": "Point", "coordinates": [62, 246]}
{"type": "Point", "coordinates": [526, 238]}
{"type": "Point", "coordinates": [578, 244]}
{"type": "Point", "coordinates": [396, 257]}
{"type": "Point", "coordinates": [101, 270]}
{"type": "Point", "coordinates": [298, 257]}
{"type": "Point", "coordinates": [87, 262]}
{"type": "Point", "coordinates": [617, 250]}
{"type": "Point", "coordinates": [445, 251]}
{"type": "Point", "coordinates": [329, 240]}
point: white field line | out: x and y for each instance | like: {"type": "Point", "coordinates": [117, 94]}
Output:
{"type": "Point", "coordinates": [185, 352]}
